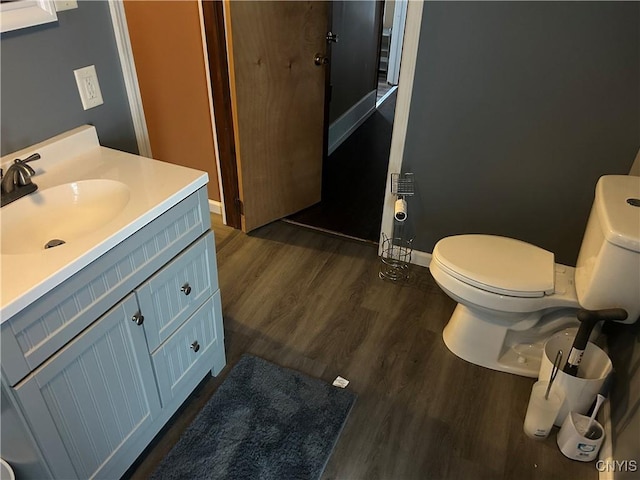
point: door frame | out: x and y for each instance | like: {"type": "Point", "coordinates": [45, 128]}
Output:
{"type": "Point", "coordinates": [130, 76]}
{"type": "Point", "coordinates": [405, 84]}
{"type": "Point", "coordinates": [401, 117]}
{"type": "Point", "coordinates": [215, 46]}
{"type": "Point", "coordinates": [397, 38]}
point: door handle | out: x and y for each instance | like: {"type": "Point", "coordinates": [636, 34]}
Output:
{"type": "Point", "coordinates": [320, 59]}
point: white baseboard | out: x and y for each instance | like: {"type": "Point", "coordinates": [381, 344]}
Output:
{"type": "Point", "coordinates": [215, 207]}
{"type": "Point", "coordinates": [420, 258]}
{"type": "Point", "coordinates": [386, 95]}
{"type": "Point", "coordinates": [349, 121]}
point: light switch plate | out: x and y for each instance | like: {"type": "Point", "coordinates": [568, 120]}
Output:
{"type": "Point", "coordinates": [88, 86]}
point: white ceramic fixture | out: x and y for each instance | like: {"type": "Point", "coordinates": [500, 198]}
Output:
{"type": "Point", "coordinates": [91, 198]}
{"type": "Point", "coordinates": [66, 213]}
{"type": "Point", "coordinates": [512, 296]}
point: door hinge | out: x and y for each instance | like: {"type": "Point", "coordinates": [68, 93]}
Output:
{"type": "Point", "coordinates": [240, 206]}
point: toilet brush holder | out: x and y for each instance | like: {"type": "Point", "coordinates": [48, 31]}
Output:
{"type": "Point", "coordinates": [580, 391]}
{"type": "Point", "coordinates": [543, 407]}
{"type": "Point", "coordinates": [573, 440]}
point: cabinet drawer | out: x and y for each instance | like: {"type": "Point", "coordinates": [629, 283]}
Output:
{"type": "Point", "coordinates": [45, 326]}
{"type": "Point", "coordinates": [172, 295]}
{"type": "Point", "coordinates": [197, 346]}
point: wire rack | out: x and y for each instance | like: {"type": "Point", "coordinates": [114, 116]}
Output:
{"type": "Point", "coordinates": [402, 184]}
{"type": "Point", "coordinates": [395, 258]}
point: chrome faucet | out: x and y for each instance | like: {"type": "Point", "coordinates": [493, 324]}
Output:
{"type": "Point", "coordinates": [16, 181]}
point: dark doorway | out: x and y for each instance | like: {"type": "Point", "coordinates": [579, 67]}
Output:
{"type": "Point", "coordinates": [354, 179]}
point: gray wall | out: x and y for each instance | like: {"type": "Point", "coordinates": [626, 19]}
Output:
{"type": "Point", "coordinates": [354, 61]}
{"type": "Point", "coordinates": [39, 94]}
{"type": "Point", "coordinates": [517, 109]}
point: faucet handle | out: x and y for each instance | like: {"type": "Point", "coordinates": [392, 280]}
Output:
{"type": "Point", "coordinates": [30, 158]}
{"type": "Point", "coordinates": [25, 169]}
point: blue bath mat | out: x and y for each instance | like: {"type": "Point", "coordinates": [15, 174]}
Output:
{"type": "Point", "coordinates": [264, 422]}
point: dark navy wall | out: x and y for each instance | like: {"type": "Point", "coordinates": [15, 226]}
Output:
{"type": "Point", "coordinates": [39, 94]}
{"type": "Point", "coordinates": [354, 61]}
{"type": "Point", "coordinates": [517, 109]}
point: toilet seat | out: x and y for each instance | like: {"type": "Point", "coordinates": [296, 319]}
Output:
{"type": "Point", "coordinates": [500, 265]}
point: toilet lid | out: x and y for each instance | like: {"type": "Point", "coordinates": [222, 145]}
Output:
{"type": "Point", "coordinates": [497, 264]}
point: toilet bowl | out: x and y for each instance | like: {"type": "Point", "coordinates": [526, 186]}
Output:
{"type": "Point", "coordinates": [512, 296]}
{"type": "Point", "coordinates": [496, 323]}
{"type": "Point", "coordinates": [6, 472]}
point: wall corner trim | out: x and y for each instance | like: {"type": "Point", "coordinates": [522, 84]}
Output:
{"type": "Point", "coordinates": [403, 103]}
{"type": "Point", "coordinates": [130, 76]}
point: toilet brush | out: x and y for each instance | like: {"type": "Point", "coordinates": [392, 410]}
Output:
{"type": "Point", "coordinates": [604, 390]}
{"type": "Point", "coordinates": [588, 320]}
{"type": "Point", "coordinates": [593, 431]}
{"type": "Point", "coordinates": [554, 373]}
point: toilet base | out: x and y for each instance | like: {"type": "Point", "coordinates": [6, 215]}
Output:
{"type": "Point", "coordinates": [474, 337]}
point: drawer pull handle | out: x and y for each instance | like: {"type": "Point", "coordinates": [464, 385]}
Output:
{"type": "Point", "coordinates": [138, 318]}
{"type": "Point", "coordinates": [195, 346]}
{"type": "Point", "coordinates": [186, 289]}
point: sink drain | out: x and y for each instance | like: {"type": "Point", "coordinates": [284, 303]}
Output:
{"type": "Point", "coordinates": [54, 243]}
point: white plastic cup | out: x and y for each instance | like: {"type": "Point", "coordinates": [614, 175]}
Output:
{"type": "Point", "coordinates": [572, 442]}
{"type": "Point", "coordinates": [580, 392]}
{"type": "Point", "coordinates": [541, 412]}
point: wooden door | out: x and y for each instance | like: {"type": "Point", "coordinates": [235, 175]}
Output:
{"type": "Point", "coordinates": [277, 93]}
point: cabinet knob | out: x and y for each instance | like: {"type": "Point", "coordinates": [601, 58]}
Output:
{"type": "Point", "coordinates": [195, 346]}
{"type": "Point", "coordinates": [138, 318]}
{"type": "Point", "coordinates": [186, 289]}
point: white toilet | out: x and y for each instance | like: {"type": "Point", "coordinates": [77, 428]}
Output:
{"type": "Point", "coordinates": [512, 296]}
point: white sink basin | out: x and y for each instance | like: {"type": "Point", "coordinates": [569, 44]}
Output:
{"type": "Point", "coordinates": [66, 212]}
{"type": "Point", "coordinates": [91, 198]}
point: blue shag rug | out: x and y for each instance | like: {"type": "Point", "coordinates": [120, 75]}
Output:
{"type": "Point", "coordinates": [264, 422]}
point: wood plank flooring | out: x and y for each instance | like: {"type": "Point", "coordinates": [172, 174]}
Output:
{"type": "Point", "coordinates": [314, 302]}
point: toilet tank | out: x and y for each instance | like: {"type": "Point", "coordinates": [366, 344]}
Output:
{"type": "Point", "coordinates": [608, 269]}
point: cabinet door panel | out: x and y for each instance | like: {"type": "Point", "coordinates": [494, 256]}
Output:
{"type": "Point", "coordinates": [180, 363]}
{"type": "Point", "coordinates": [99, 392]}
{"type": "Point", "coordinates": [164, 300]}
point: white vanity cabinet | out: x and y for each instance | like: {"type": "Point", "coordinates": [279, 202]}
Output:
{"type": "Point", "coordinates": [183, 318]}
{"type": "Point", "coordinates": [98, 365]}
{"type": "Point", "coordinates": [94, 398]}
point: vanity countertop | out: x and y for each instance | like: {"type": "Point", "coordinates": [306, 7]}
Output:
{"type": "Point", "coordinates": [150, 188]}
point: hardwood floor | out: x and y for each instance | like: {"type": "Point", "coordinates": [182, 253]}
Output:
{"type": "Point", "coordinates": [314, 302]}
